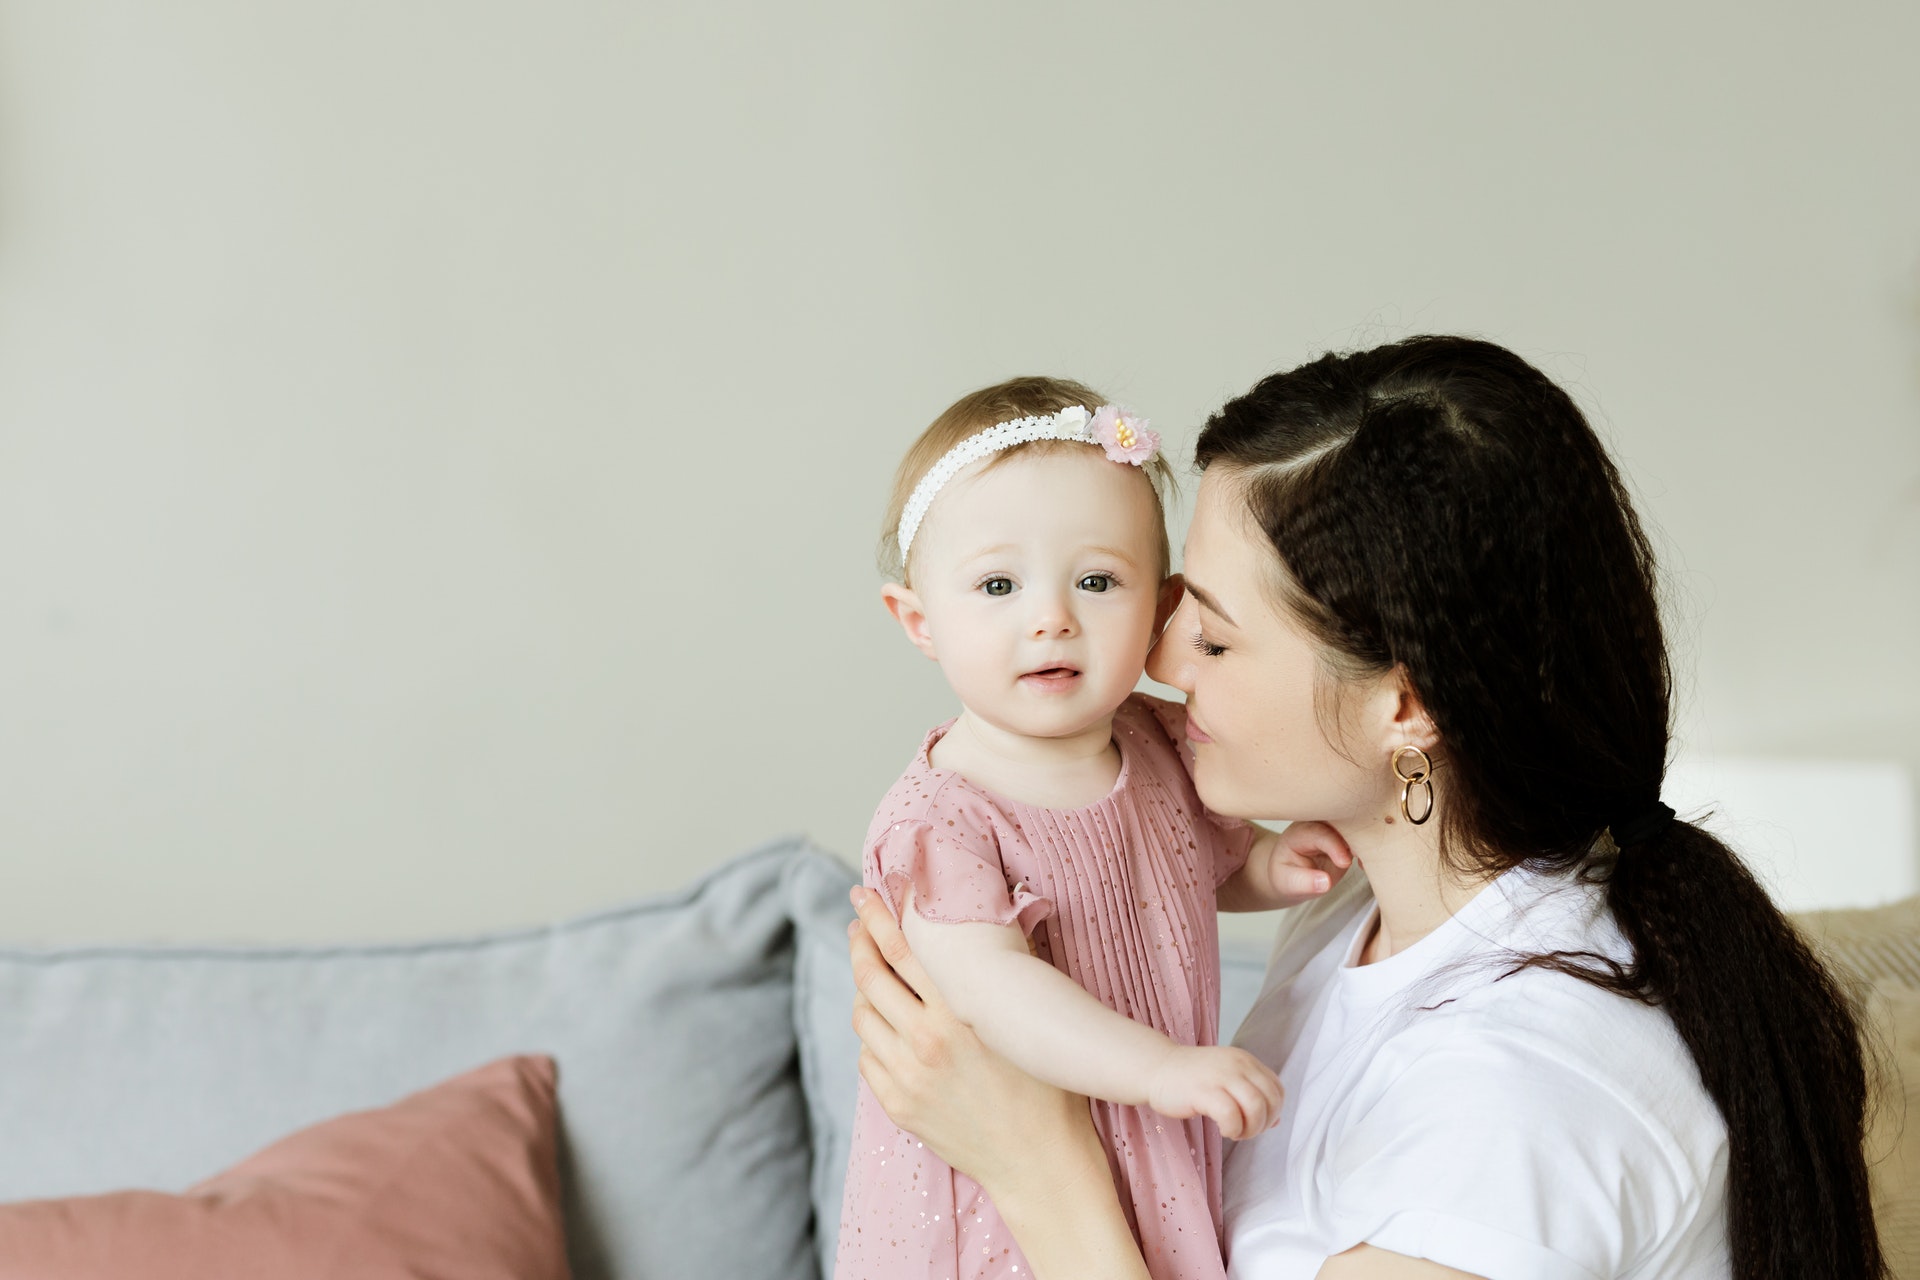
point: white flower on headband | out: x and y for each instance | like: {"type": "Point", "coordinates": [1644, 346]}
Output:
{"type": "Point", "coordinates": [1121, 434]}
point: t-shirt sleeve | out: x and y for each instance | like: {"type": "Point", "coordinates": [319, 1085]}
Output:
{"type": "Point", "coordinates": [1233, 837]}
{"type": "Point", "coordinates": [955, 873]}
{"type": "Point", "coordinates": [1508, 1165]}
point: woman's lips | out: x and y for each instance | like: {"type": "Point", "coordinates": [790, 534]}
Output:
{"type": "Point", "coordinates": [1195, 733]}
{"type": "Point", "coordinates": [1051, 680]}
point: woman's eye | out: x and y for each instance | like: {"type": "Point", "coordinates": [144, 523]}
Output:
{"type": "Point", "coordinates": [1097, 582]}
{"type": "Point", "coordinates": [1211, 650]}
{"type": "Point", "coordinates": [998, 586]}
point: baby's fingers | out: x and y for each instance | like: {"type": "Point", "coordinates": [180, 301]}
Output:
{"type": "Point", "coordinates": [1272, 1096]}
{"type": "Point", "coordinates": [1257, 1110]}
{"type": "Point", "coordinates": [1297, 881]}
{"type": "Point", "coordinates": [1223, 1108]}
{"type": "Point", "coordinates": [1317, 839]}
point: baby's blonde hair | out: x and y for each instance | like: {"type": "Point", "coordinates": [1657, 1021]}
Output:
{"type": "Point", "coordinates": [1026, 397]}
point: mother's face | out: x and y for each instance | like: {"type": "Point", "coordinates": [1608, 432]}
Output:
{"type": "Point", "coordinates": [1250, 672]}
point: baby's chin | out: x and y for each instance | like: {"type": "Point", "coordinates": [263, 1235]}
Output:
{"type": "Point", "coordinates": [1048, 711]}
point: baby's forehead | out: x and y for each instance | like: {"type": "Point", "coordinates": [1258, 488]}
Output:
{"type": "Point", "coordinates": [1054, 503]}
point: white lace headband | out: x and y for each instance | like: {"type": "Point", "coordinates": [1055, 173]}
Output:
{"type": "Point", "coordinates": [1121, 433]}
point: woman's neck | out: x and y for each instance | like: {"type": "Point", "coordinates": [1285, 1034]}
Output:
{"type": "Point", "coordinates": [1416, 891]}
{"type": "Point", "coordinates": [1050, 773]}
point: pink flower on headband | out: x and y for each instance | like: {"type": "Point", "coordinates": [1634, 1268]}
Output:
{"type": "Point", "coordinates": [1124, 435]}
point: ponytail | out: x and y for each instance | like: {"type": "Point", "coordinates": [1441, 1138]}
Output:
{"type": "Point", "coordinates": [1777, 1044]}
{"type": "Point", "coordinates": [1441, 507]}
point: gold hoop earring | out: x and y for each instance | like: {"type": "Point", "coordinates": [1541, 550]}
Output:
{"type": "Point", "coordinates": [1422, 776]}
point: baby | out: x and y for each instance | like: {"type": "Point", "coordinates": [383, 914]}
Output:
{"type": "Point", "coordinates": [1046, 853]}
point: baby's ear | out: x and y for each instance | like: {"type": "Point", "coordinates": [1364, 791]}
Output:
{"type": "Point", "coordinates": [1171, 592]}
{"type": "Point", "coordinates": [904, 604]}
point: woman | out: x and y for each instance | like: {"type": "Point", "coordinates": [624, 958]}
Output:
{"type": "Point", "coordinates": [1550, 1030]}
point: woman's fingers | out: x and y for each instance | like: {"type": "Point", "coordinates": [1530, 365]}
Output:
{"type": "Point", "coordinates": [888, 1002]}
{"type": "Point", "coordinates": [892, 943]}
{"type": "Point", "coordinates": [876, 1033]}
{"type": "Point", "coordinates": [886, 1090]}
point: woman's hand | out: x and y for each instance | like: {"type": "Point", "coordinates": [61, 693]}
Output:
{"type": "Point", "coordinates": [935, 1079]}
{"type": "Point", "coordinates": [1029, 1145]}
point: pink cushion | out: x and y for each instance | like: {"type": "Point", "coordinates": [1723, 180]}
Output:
{"type": "Point", "coordinates": [458, 1180]}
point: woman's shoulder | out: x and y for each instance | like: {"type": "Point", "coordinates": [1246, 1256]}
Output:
{"type": "Point", "coordinates": [1481, 1039]}
{"type": "Point", "coordinates": [1549, 1058]}
{"type": "Point", "coordinates": [1555, 1067]}
{"type": "Point", "coordinates": [1567, 1044]}
{"type": "Point", "coordinates": [1593, 1139]}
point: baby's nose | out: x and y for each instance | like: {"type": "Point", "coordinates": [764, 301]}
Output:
{"type": "Point", "coordinates": [1053, 618]}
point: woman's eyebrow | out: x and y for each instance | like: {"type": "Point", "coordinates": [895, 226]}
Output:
{"type": "Point", "coordinates": [1212, 605]}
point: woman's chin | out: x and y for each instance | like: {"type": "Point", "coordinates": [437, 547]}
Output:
{"type": "Point", "coordinates": [1222, 800]}
{"type": "Point", "coordinates": [1219, 794]}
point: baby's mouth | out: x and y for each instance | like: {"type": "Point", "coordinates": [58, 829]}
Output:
{"type": "Point", "coordinates": [1051, 679]}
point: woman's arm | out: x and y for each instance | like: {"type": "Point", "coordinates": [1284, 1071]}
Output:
{"type": "Point", "coordinates": [1364, 1262]}
{"type": "Point", "coordinates": [1049, 1026]}
{"type": "Point", "coordinates": [1032, 1147]}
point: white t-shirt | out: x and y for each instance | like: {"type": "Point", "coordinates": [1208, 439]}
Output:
{"type": "Point", "coordinates": [1527, 1128]}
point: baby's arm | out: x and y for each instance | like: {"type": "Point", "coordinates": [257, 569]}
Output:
{"type": "Point", "coordinates": [1285, 868]}
{"type": "Point", "coordinates": [1046, 1024]}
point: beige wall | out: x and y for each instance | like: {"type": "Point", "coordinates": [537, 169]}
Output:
{"type": "Point", "coordinates": [441, 446]}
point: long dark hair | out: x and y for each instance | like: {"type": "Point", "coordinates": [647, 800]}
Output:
{"type": "Point", "coordinates": [1440, 505]}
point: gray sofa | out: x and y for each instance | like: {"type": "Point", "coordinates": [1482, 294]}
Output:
{"type": "Point", "coordinates": [706, 1064]}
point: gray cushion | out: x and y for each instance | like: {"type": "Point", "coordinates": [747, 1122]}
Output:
{"type": "Point", "coordinates": [686, 1133]}
{"type": "Point", "coordinates": [830, 1052]}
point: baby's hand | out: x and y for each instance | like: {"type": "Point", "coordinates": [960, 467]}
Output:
{"type": "Point", "coordinates": [1230, 1086]}
{"type": "Point", "coordinates": [1308, 859]}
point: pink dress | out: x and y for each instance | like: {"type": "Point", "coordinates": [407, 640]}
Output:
{"type": "Point", "coordinates": [1120, 897]}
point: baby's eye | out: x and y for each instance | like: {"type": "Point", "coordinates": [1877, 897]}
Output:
{"type": "Point", "coordinates": [1097, 582]}
{"type": "Point", "coordinates": [998, 586]}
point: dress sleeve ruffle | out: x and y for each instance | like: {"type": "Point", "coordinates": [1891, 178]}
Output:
{"type": "Point", "coordinates": [956, 877]}
{"type": "Point", "coordinates": [1235, 836]}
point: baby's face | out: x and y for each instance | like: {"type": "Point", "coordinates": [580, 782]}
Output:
{"type": "Point", "coordinates": [1039, 579]}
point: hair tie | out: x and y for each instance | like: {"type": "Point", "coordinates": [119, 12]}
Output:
{"type": "Point", "coordinates": [1642, 827]}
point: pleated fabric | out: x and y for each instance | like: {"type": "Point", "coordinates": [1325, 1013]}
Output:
{"type": "Point", "coordinates": [1120, 896]}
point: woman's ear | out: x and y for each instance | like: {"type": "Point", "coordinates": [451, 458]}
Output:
{"type": "Point", "coordinates": [904, 604]}
{"type": "Point", "coordinates": [1411, 725]}
{"type": "Point", "coordinates": [1396, 717]}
